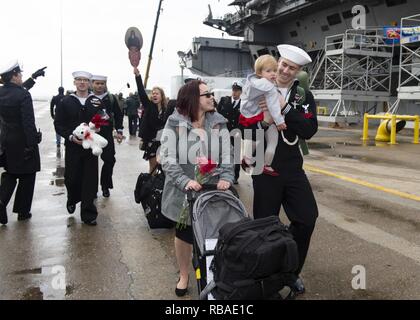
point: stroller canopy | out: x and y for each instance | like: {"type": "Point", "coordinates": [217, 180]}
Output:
{"type": "Point", "coordinates": [211, 211]}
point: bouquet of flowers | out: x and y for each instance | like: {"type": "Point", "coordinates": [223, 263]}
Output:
{"type": "Point", "coordinates": [98, 121]}
{"type": "Point", "coordinates": [203, 171]}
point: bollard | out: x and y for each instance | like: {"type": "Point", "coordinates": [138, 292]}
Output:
{"type": "Point", "coordinates": [394, 129]}
{"type": "Point", "coordinates": [365, 127]}
{"type": "Point", "coordinates": [416, 130]}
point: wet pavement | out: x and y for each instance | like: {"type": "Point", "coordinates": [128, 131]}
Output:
{"type": "Point", "coordinates": [55, 256]}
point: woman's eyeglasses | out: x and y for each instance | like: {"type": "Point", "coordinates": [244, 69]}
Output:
{"type": "Point", "coordinates": [207, 94]}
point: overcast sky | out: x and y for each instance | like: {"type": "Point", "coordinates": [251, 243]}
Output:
{"type": "Point", "coordinates": [93, 37]}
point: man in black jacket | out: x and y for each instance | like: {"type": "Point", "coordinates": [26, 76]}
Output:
{"type": "Point", "coordinates": [229, 107]}
{"type": "Point", "coordinates": [112, 111]}
{"type": "Point", "coordinates": [290, 188]}
{"type": "Point", "coordinates": [19, 141]}
{"type": "Point", "coordinates": [81, 174]}
{"type": "Point", "coordinates": [53, 105]}
{"type": "Point", "coordinates": [133, 104]}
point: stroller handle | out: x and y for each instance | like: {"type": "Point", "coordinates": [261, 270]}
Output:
{"type": "Point", "coordinates": [191, 194]}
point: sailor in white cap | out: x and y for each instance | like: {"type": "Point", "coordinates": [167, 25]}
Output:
{"type": "Point", "coordinates": [291, 189]}
{"type": "Point", "coordinates": [9, 70]}
{"type": "Point", "coordinates": [81, 176]}
{"type": "Point", "coordinates": [20, 154]}
{"type": "Point", "coordinates": [14, 67]}
{"type": "Point", "coordinates": [10, 66]}
{"type": "Point", "coordinates": [81, 75]}
{"type": "Point", "coordinates": [111, 110]}
{"type": "Point", "coordinates": [294, 54]}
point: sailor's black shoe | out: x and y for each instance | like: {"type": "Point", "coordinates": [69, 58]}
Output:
{"type": "Point", "coordinates": [3, 214]}
{"type": "Point", "coordinates": [71, 207]}
{"type": "Point", "coordinates": [90, 223]}
{"type": "Point", "coordinates": [105, 192]}
{"type": "Point", "coordinates": [24, 216]}
{"type": "Point", "coordinates": [298, 287]}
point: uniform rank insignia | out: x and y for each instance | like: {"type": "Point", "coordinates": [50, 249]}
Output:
{"type": "Point", "coordinates": [307, 114]}
{"type": "Point", "coordinates": [96, 102]}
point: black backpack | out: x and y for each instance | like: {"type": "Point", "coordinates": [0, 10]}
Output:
{"type": "Point", "coordinates": [148, 192]}
{"type": "Point", "coordinates": [254, 259]}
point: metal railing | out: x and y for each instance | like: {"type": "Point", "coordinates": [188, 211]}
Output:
{"type": "Point", "coordinates": [369, 40]}
{"type": "Point", "coordinates": [358, 60]}
{"type": "Point", "coordinates": [236, 73]}
{"type": "Point", "coordinates": [393, 118]}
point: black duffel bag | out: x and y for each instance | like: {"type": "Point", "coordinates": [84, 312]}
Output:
{"type": "Point", "coordinates": [146, 182]}
{"type": "Point", "coordinates": [254, 259]}
{"type": "Point", "coordinates": [148, 192]}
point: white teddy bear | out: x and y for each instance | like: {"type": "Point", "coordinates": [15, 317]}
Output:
{"type": "Point", "coordinates": [90, 138]}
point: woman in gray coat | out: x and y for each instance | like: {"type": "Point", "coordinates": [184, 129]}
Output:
{"type": "Point", "coordinates": [193, 130]}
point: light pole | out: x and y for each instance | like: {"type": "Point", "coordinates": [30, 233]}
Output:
{"type": "Point", "coordinates": [61, 43]}
{"type": "Point", "coordinates": [182, 63]}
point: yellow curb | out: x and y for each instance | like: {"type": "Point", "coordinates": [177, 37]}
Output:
{"type": "Point", "coordinates": [362, 183]}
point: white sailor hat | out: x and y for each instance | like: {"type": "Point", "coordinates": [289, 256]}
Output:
{"type": "Point", "coordinates": [294, 54]}
{"type": "Point", "coordinates": [98, 78]}
{"type": "Point", "coordinates": [11, 66]}
{"type": "Point", "coordinates": [82, 74]}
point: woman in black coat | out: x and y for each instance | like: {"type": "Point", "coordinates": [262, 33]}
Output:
{"type": "Point", "coordinates": [19, 141]}
{"type": "Point", "coordinates": [153, 119]}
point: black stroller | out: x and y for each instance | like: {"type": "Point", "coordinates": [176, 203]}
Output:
{"type": "Point", "coordinates": [210, 209]}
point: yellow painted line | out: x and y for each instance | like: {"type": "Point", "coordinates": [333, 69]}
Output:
{"type": "Point", "coordinates": [363, 183]}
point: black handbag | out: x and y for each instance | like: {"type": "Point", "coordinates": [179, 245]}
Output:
{"type": "Point", "coordinates": [148, 192]}
{"type": "Point", "coordinates": [146, 182]}
{"type": "Point", "coordinates": [143, 187]}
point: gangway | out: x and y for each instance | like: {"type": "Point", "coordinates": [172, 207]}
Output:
{"type": "Point", "coordinates": [357, 69]}
{"type": "Point", "coordinates": [409, 68]}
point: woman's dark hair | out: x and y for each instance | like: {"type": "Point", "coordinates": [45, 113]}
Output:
{"type": "Point", "coordinates": [188, 100]}
{"type": "Point", "coordinates": [7, 77]}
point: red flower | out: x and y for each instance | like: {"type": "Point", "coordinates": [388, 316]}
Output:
{"type": "Point", "coordinates": [98, 121]}
{"type": "Point", "coordinates": [203, 172]}
{"type": "Point", "coordinates": [206, 165]}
